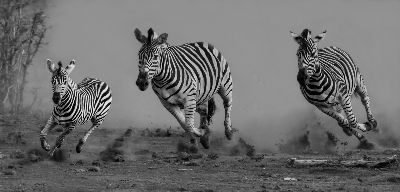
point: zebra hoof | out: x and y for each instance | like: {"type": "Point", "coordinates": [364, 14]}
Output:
{"type": "Point", "coordinates": [45, 146]}
{"type": "Point", "coordinates": [198, 132]}
{"type": "Point", "coordinates": [79, 146]}
{"type": "Point", "coordinates": [371, 126]}
{"type": "Point", "coordinates": [51, 152]}
{"type": "Point", "coordinates": [347, 131]}
{"type": "Point", "coordinates": [229, 134]}
{"type": "Point", "coordinates": [205, 140]}
{"type": "Point", "coordinates": [374, 123]}
{"type": "Point", "coordinates": [365, 144]}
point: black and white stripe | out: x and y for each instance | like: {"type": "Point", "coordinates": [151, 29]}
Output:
{"type": "Point", "coordinates": [186, 77]}
{"type": "Point", "coordinates": [328, 79]}
{"type": "Point", "coordinates": [75, 104]}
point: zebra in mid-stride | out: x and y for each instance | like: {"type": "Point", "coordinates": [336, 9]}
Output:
{"type": "Point", "coordinates": [186, 77]}
{"type": "Point", "coordinates": [75, 104]}
{"type": "Point", "coordinates": [328, 79]}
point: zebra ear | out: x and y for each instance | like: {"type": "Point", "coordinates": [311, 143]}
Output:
{"type": "Point", "coordinates": [296, 37]}
{"type": "Point", "coordinates": [70, 67]}
{"type": "Point", "coordinates": [162, 38]}
{"type": "Point", "coordinates": [141, 38]}
{"type": "Point", "coordinates": [51, 66]}
{"type": "Point", "coordinates": [319, 37]}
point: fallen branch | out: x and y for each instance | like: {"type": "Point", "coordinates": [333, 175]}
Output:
{"type": "Point", "coordinates": [294, 162]}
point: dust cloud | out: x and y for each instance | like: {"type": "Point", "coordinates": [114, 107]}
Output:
{"type": "Point", "coordinates": [254, 37]}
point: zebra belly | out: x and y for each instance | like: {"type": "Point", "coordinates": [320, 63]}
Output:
{"type": "Point", "coordinates": [170, 96]}
{"type": "Point", "coordinates": [325, 99]}
{"type": "Point", "coordinates": [78, 120]}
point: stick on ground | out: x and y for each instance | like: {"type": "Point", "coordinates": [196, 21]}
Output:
{"type": "Point", "coordinates": [294, 162]}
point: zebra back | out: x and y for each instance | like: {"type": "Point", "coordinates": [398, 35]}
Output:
{"type": "Point", "coordinates": [199, 62]}
{"type": "Point", "coordinates": [90, 100]}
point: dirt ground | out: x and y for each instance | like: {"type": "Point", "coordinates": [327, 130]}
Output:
{"type": "Point", "coordinates": [157, 160]}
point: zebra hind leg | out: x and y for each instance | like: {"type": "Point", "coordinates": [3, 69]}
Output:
{"type": "Point", "coordinates": [82, 141]}
{"type": "Point", "coordinates": [204, 125]}
{"type": "Point", "coordinates": [361, 90]}
{"type": "Point", "coordinates": [344, 124]}
{"type": "Point", "coordinates": [227, 100]}
{"type": "Point", "coordinates": [348, 109]}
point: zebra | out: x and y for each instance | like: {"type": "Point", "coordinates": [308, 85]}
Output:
{"type": "Point", "coordinates": [74, 104]}
{"type": "Point", "coordinates": [328, 78]}
{"type": "Point", "coordinates": [186, 77]}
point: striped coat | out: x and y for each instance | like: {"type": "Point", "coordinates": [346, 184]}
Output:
{"type": "Point", "coordinates": [328, 79]}
{"type": "Point", "coordinates": [186, 77]}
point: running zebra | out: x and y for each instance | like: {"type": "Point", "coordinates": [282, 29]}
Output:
{"type": "Point", "coordinates": [328, 79]}
{"type": "Point", "coordinates": [186, 77]}
{"type": "Point", "coordinates": [74, 104]}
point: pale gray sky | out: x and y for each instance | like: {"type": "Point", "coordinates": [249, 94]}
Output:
{"type": "Point", "coordinates": [253, 36]}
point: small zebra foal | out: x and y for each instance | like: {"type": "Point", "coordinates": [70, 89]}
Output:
{"type": "Point", "coordinates": [74, 104]}
{"type": "Point", "coordinates": [328, 79]}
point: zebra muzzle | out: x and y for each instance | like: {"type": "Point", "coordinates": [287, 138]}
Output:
{"type": "Point", "coordinates": [56, 97]}
{"type": "Point", "coordinates": [142, 84]}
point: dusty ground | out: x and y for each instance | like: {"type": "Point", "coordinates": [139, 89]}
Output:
{"type": "Point", "coordinates": [148, 160]}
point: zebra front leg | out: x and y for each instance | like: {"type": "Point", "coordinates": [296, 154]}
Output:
{"type": "Point", "coordinates": [84, 138]}
{"type": "Point", "coordinates": [341, 120]}
{"type": "Point", "coordinates": [60, 138]}
{"type": "Point", "coordinates": [176, 111]}
{"type": "Point", "coordinates": [50, 124]}
{"type": "Point", "coordinates": [204, 123]}
{"type": "Point", "coordinates": [190, 109]}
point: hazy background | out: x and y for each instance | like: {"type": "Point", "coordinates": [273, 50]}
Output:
{"type": "Point", "coordinates": [254, 38]}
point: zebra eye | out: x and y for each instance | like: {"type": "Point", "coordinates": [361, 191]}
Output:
{"type": "Point", "coordinates": [155, 57]}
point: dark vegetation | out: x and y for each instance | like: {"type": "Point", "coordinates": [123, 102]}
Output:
{"type": "Point", "coordinates": [22, 32]}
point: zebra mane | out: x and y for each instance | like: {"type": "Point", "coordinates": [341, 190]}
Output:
{"type": "Point", "coordinates": [306, 34]}
{"type": "Point", "coordinates": [59, 67]}
{"type": "Point", "coordinates": [150, 34]}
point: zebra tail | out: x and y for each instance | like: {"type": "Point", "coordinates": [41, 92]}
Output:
{"type": "Point", "coordinates": [211, 109]}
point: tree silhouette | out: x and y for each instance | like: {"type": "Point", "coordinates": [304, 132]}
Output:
{"type": "Point", "coordinates": [22, 31]}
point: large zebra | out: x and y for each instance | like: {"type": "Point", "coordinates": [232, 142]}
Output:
{"type": "Point", "coordinates": [186, 77]}
{"type": "Point", "coordinates": [328, 79]}
{"type": "Point", "coordinates": [75, 104]}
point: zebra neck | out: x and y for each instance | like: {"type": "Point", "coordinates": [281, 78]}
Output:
{"type": "Point", "coordinates": [72, 84]}
{"type": "Point", "coordinates": [318, 72]}
{"type": "Point", "coordinates": [165, 73]}
{"type": "Point", "coordinates": [67, 101]}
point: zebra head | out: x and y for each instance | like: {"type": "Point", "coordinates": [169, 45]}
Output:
{"type": "Point", "coordinates": [60, 79]}
{"type": "Point", "coordinates": [150, 56]}
{"type": "Point", "coordinates": [307, 54]}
